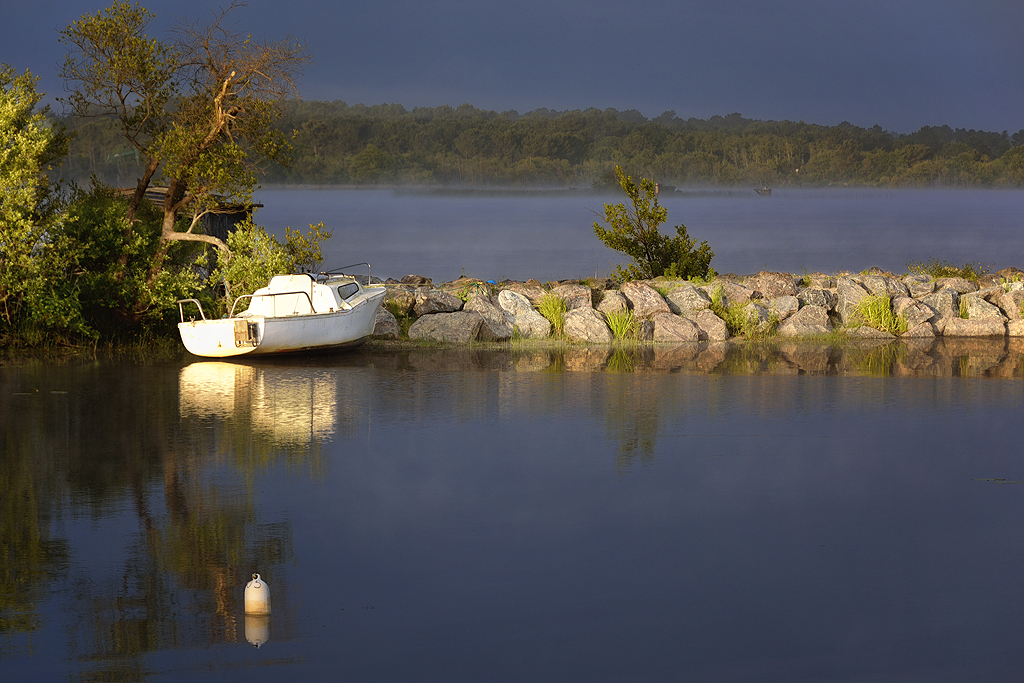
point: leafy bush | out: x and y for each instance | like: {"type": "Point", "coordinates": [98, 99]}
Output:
{"type": "Point", "coordinates": [740, 322]}
{"type": "Point", "coordinates": [634, 232]}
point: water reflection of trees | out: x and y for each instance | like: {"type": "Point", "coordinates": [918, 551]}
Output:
{"type": "Point", "coordinates": [97, 440]}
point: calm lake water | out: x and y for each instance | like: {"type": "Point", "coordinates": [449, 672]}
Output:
{"type": "Point", "coordinates": [707, 513]}
{"type": "Point", "coordinates": [550, 236]}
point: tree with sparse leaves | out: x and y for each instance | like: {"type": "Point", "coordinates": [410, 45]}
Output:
{"type": "Point", "coordinates": [634, 232]}
{"type": "Point", "coordinates": [200, 109]}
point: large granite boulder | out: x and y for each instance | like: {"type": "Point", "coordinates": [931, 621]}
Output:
{"type": "Point", "coordinates": [945, 302]}
{"type": "Point", "coordinates": [851, 293]}
{"type": "Point", "coordinates": [979, 309]}
{"type": "Point", "coordinates": [435, 301]}
{"type": "Point", "coordinates": [712, 328]}
{"type": "Point", "coordinates": [958, 284]}
{"type": "Point", "coordinates": [784, 306]}
{"type": "Point", "coordinates": [687, 300]}
{"type": "Point", "coordinates": [644, 299]}
{"type": "Point", "coordinates": [809, 320]}
{"type": "Point", "coordinates": [574, 296]}
{"type": "Point", "coordinates": [919, 285]}
{"type": "Point", "coordinates": [974, 327]}
{"type": "Point", "coordinates": [529, 322]}
{"type": "Point", "coordinates": [672, 328]}
{"type": "Point", "coordinates": [587, 325]}
{"type": "Point", "coordinates": [531, 290]}
{"type": "Point", "coordinates": [731, 292]}
{"type": "Point", "coordinates": [612, 302]}
{"type": "Point", "coordinates": [883, 285]}
{"type": "Point", "coordinates": [915, 312]}
{"type": "Point", "coordinates": [772, 285]}
{"type": "Point", "coordinates": [498, 323]}
{"type": "Point", "coordinates": [459, 327]}
{"type": "Point", "coordinates": [825, 298]}
{"type": "Point", "coordinates": [385, 326]}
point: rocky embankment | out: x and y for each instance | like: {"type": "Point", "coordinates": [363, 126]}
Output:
{"type": "Point", "coordinates": [913, 306]}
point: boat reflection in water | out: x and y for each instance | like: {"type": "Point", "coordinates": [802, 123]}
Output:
{"type": "Point", "coordinates": [290, 406]}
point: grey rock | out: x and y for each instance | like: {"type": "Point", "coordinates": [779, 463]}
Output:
{"type": "Point", "coordinates": [979, 309]}
{"type": "Point", "coordinates": [784, 306]}
{"type": "Point", "coordinates": [587, 325]}
{"type": "Point", "coordinates": [434, 301]}
{"type": "Point", "coordinates": [612, 302]}
{"type": "Point", "coordinates": [923, 330]}
{"type": "Point", "coordinates": [913, 310]}
{"type": "Point", "coordinates": [672, 328]}
{"type": "Point", "coordinates": [711, 326]}
{"type": "Point", "coordinates": [534, 293]}
{"type": "Point", "coordinates": [809, 320]}
{"type": "Point", "coordinates": [1009, 306]}
{"type": "Point", "coordinates": [772, 285]}
{"type": "Point", "coordinates": [825, 298]}
{"type": "Point", "coordinates": [415, 280]}
{"type": "Point", "coordinates": [851, 294]}
{"type": "Point", "coordinates": [460, 327]}
{"type": "Point", "coordinates": [645, 301]}
{"type": "Point", "coordinates": [919, 285]}
{"type": "Point", "coordinates": [945, 302]}
{"type": "Point", "coordinates": [882, 285]}
{"type": "Point", "coordinates": [731, 292]}
{"type": "Point", "coordinates": [687, 300]}
{"type": "Point", "coordinates": [385, 326]}
{"type": "Point", "coordinates": [529, 322]}
{"type": "Point", "coordinates": [1015, 328]}
{"type": "Point", "coordinates": [984, 327]}
{"type": "Point", "coordinates": [958, 284]}
{"type": "Point", "coordinates": [574, 296]}
{"type": "Point", "coordinates": [498, 323]}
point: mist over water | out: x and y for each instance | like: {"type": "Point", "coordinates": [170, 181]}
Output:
{"type": "Point", "coordinates": [549, 236]}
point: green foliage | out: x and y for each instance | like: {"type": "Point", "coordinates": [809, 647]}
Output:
{"type": "Point", "coordinates": [554, 309]}
{"type": "Point", "coordinates": [256, 256]}
{"type": "Point", "coordinates": [634, 232]}
{"type": "Point", "coordinates": [29, 145]}
{"type": "Point", "coordinates": [622, 323]}
{"type": "Point", "coordinates": [937, 269]}
{"type": "Point", "coordinates": [340, 143]}
{"type": "Point", "coordinates": [876, 311]}
{"type": "Point", "coordinates": [964, 309]}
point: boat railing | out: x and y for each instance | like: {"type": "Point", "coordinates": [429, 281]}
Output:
{"type": "Point", "coordinates": [335, 272]}
{"type": "Point", "coordinates": [272, 294]}
{"type": "Point", "coordinates": [181, 312]}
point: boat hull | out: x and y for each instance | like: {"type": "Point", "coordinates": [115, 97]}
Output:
{"type": "Point", "coordinates": [261, 335]}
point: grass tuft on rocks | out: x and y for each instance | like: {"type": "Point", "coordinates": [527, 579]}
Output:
{"type": "Point", "coordinates": [876, 311]}
{"type": "Point", "coordinates": [554, 309]}
{"type": "Point", "coordinates": [937, 269]}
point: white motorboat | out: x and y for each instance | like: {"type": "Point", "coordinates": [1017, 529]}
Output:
{"type": "Point", "coordinates": [293, 313]}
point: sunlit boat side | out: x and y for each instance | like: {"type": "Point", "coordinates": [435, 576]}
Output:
{"type": "Point", "coordinates": [293, 313]}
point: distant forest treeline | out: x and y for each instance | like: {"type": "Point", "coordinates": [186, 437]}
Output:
{"type": "Point", "coordinates": [337, 143]}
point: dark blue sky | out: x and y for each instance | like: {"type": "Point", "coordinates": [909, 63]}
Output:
{"type": "Point", "coordinates": [901, 64]}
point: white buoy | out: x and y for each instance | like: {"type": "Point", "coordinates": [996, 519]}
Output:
{"type": "Point", "coordinates": [257, 596]}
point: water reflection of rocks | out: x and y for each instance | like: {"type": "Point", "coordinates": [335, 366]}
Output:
{"type": "Point", "coordinates": [938, 357]}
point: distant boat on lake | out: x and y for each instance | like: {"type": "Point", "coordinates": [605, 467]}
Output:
{"type": "Point", "coordinates": [763, 191]}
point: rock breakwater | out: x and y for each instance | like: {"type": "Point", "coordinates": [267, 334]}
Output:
{"type": "Point", "coordinates": [868, 305]}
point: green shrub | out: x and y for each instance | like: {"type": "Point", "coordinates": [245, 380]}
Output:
{"type": "Point", "coordinates": [634, 232]}
{"type": "Point", "coordinates": [740, 322]}
{"type": "Point", "coordinates": [937, 269]}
